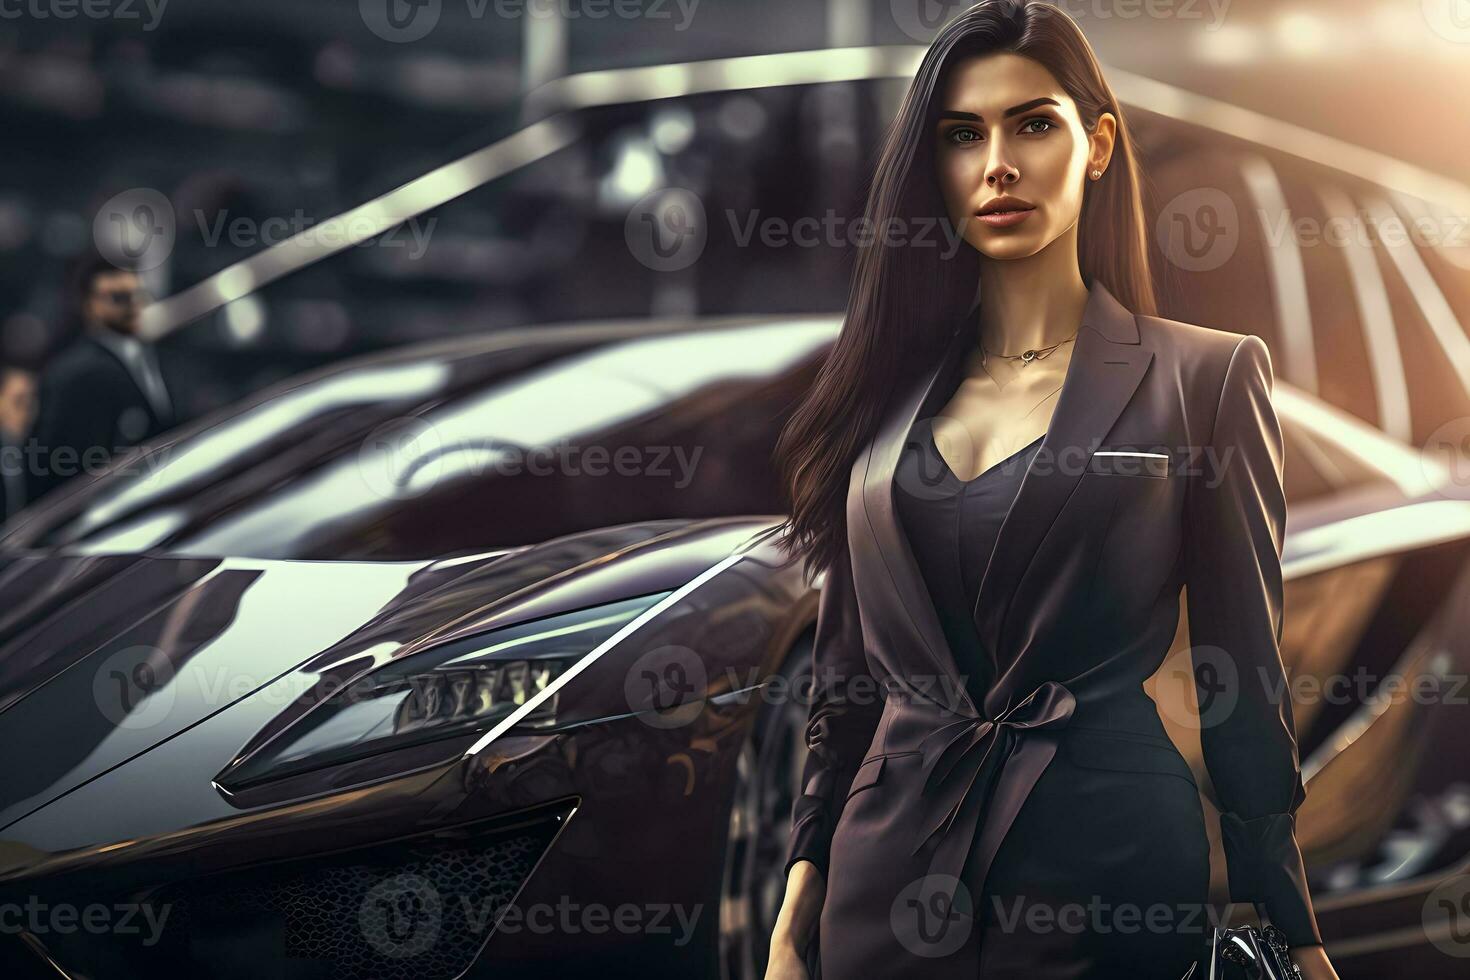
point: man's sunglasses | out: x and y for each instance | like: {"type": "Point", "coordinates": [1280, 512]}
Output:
{"type": "Point", "coordinates": [123, 297]}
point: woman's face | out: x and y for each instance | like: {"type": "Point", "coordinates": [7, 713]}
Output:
{"type": "Point", "coordinates": [1013, 156]}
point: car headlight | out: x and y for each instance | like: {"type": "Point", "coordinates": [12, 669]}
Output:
{"type": "Point", "coordinates": [462, 687]}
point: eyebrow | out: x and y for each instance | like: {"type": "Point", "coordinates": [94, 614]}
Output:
{"type": "Point", "coordinates": [1014, 110]}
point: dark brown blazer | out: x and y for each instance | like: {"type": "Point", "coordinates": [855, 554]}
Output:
{"type": "Point", "coordinates": [1162, 467]}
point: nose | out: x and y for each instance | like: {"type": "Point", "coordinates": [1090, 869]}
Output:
{"type": "Point", "coordinates": [1001, 173]}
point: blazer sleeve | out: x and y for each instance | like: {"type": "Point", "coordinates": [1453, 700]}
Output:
{"type": "Point", "coordinates": [845, 707]}
{"type": "Point", "coordinates": [1236, 515]}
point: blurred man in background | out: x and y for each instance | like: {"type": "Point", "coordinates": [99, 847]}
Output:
{"type": "Point", "coordinates": [104, 392]}
{"type": "Point", "coordinates": [17, 412]}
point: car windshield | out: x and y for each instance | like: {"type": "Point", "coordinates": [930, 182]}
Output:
{"type": "Point", "coordinates": [470, 450]}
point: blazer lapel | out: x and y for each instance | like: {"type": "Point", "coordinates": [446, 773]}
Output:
{"type": "Point", "coordinates": [1108, 363]}
{"type": "Point", "coordinates": [907, 605]}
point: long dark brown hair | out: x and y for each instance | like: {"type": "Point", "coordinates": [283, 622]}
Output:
{"type": "Point", "coordinates": [904, 302]}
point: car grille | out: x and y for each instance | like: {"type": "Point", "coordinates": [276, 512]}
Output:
{"type": "Point", "coordinates": [416, 910]}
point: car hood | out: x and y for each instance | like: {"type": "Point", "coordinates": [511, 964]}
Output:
{"type": "Point", "coordinates": [103, 657]}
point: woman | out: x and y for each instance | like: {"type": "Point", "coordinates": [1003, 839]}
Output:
{"type": "Point", "coordinates": [1007, 503]}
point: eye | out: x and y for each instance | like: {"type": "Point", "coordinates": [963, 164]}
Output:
{"type": "Point", "coordinates": [963, 134]}
{"type": "Point", "coordinates": [1037, 124]}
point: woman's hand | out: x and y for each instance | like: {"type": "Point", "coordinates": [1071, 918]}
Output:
{"type": "Point", "coordinates": [796, 922]}
{"type": "Point", "coordinates": [1313, 963]}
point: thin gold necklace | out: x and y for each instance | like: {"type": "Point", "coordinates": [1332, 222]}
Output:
{"type": "Point", "coordinates": [1026, 356]}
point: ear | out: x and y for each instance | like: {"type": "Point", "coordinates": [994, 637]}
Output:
{"type": "Point", "coordinates": [1100, 143]}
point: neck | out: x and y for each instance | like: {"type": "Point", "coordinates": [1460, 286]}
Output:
{"type": "Point", "coordinates": [1033, 302]}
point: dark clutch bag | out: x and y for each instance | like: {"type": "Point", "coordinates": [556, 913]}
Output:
{"type": "Point", "coordinates": [1248, 953]}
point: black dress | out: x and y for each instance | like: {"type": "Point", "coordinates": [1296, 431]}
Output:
{"type": "Point", "coordinates": [952, 525]}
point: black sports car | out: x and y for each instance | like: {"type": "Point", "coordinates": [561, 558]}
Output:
{"type": "Point", "coordinates": [355, 682]}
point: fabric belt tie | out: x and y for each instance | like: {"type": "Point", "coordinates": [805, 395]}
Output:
{"type": "Point", "coordinates": [978, 767]}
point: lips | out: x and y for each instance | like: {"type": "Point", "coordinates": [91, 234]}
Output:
{"type": "Point", "coordinates": [1005, 212]}
{"type": "Point", "coordinates": [1006, 204]}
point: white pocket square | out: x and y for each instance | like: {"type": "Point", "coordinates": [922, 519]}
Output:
{"type": "Point", "coordinates": [1129, 462]}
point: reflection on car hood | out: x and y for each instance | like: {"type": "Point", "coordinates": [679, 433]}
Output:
{"type": "Point", "coordinates": [104, 657]}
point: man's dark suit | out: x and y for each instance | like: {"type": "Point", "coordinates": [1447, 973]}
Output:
{"type": "Point", "coordinates": [94, 404]}
{"type": "Point", "coordinates": [1162, 468]}
{"type": "Point", "coordinates": [14, 491]}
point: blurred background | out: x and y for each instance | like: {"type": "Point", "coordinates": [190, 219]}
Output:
{"type": "Point", "coordinates": [254, 121]}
